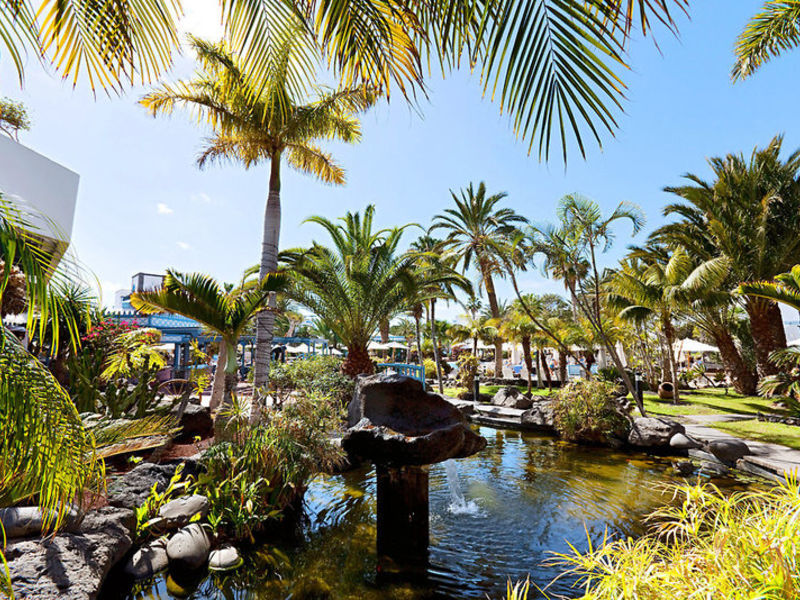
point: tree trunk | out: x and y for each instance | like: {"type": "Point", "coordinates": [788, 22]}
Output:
{"type": "Point", "coordinates": [357, 362]}
{"type": "Point", "coordinates": [538, 370]}
{"type": "Point", "coordinates": [417, 316]}
{"type": "Point", "coordinates": [744, 380]}
{"type": "Point", "coordinates": [669, 334]}
{"type": "Point", "coordinates": [265, 322]}
{"type": "Point", "coordinates": [526, 356]}
{"type": "Point", "coordinates": [218, 385]}
{"type": "Point", "coordinates": [491, 294]}
{"type": "Point", "coordinates": [562, 368]}
{"type": "Point", "coordinates": [432, 317]}
{"type": "Point", "coordinates": [766, 327]}
{"type": "Point", "coordinates": [383, 328]}
{"type": "Point", "coordinates": [546, 371]}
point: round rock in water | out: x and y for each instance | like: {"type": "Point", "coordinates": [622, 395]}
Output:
{"type": "Point", "coordinates": [148, 560]}
{"type": "Point", "coordinates": [224, 559]}
{"type": "Point", "coordinates": [680, 441]}
{"type": "Point", "coordinates": [180, 511]}
{"type": "Point", "coordinates": [647, 432]}
{"type": "Point", "coordinates": [188, 549]}
{"type": "Point", "coordinates": [728, 450]}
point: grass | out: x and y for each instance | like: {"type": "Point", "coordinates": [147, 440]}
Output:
{"type": "Point", "coordinates": [491, 390]}
{"type": "Point", "coordinates": [709, 402]}
{"type": "Point", "coordinates": [762, 431]}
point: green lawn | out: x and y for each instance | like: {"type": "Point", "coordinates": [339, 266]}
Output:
{"type": "Point", "coordinates": [709, 402]}
{"type": "Point", "coordinates": [491, 390]}
{"type": "Point", "coordinates": [761, 431]}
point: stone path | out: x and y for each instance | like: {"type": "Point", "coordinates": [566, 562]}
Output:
{"type": "Point", "coordinates": [768, 460]}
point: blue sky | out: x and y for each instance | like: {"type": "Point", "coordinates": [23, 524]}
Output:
{"type": "Point", "coordinates": [144, 206]}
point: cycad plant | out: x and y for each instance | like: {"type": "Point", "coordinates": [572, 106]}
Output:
{"type": "Point", "coordinates": [225, 313]}
{"type": "Point", "coordinates": [253, 124]}
{"type": "Point", "coordinates": [356, 283]}
{"type": "Point", "coordinates": [744, 223]}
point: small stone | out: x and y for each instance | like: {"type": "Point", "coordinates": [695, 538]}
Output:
{"type": "Point", "coordinates": [180, 511]}
{"type": "Point", "coordinates": [684, 468]}
{"type": "Point", "coordinates": [188, 549]}
{"type": "Point", "coordinates": [728, 450]}
{"type": "Point", "coordinates": [148, 560]}
{"type": "Point", "coordinates": [680, 441]}
{"type": "Point", "coordinates": [224, 559]}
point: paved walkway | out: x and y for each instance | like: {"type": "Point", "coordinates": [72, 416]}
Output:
{"type": "Point", "coordinates": [769, 460]}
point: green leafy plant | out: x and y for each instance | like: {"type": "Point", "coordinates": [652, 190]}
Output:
{"type": "Point", "coordinates": [587, 411]}
{"type": "Point", "coordinates": [786, 383]}
{"type": "Point", "coordinates": [704, 544]}
{"type": "Point", "coordinates": [147, 513]}
{"type": "Point", "coordinates": [260, 471]}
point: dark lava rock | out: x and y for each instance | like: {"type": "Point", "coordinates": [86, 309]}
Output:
{"type": "Point", "coordinates": [394, 421]}
{"type": "Point", "coordinates": [195, 421]}
{"type": "Point", "coordinates": [71, 566]}
{"type": "Point", "coordinates": [131, 489]}
{"type": "Point", "coordinates": [188, 549]}
{"type": "Point", "coordinates": [511, 397]}
{"type": "Point", "coordinates": [540, 416]}
{"type": "Point", "coordinates": [649, 432]}
{"type": "Point", "coordinates": [728, 450]}
{"type": "Point", "coordinates": [683, 468]}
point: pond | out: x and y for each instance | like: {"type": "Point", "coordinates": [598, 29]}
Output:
{"type": "Point", "coordinates": [527, 496]}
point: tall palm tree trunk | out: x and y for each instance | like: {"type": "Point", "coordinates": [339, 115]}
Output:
{"type": "Point", "coordinates": [432, 318]}
{"type": "Point", "coordinates": [766, 326]}
{"type": "Point", "coordinates": [265, 322]}
{"type": "Point", "coordinates": [417, 316]}
{"type": "Point", "coordinates": [742, 377]}
{"type": "Point", "coordinates": [562, 367]}
{"type": "Point", "coordinates": [494, 307]}
{"type": "Point", "coordinates": [526, 355]}
{"type": "Point", "coordinates": [546, 371]}
{"type": "Point", "coordinates": [218, 385]}
{"type": "Point", "coordinates": [669, 334]}
{"type": "Point", "coordinates": [538, 370]}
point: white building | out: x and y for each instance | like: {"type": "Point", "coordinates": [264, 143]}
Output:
{"type": "Point", "coordinates": [43, 189]}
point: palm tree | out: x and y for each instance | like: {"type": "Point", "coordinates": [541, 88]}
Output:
{"type": "Point", "coordinates": [571, 251]}
{"type": "Point", "coordinates": [431, 259]}
{"type": "Point", "coordinates": [477, 232]}
{"type": "Point", "coordinates": [225, 313]}
{"type": "Point", "coordinates": [355, 284]}
{"type": "Point", "coordinates": [649, 285]}
{"type": "Point", "coordinates": [744, 223]}
{"type": "Point", "coordinates": [517, 327]}
{"type": "Point", "coordinates": [270, 123]}
{"type": "Point", "coordinates": [771, 32]}
{"type": "Point", "coordinates": [473, 329]}
{"type": "Point", "coordinates": [784, 289]}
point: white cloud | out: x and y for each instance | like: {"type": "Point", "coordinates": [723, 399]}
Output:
{"type": "Point", "coordinates": [163, 209]}
{"type": "Point", "coordinates": [202, 198]}
{"type": "Point", "coordinates": [183, 245]}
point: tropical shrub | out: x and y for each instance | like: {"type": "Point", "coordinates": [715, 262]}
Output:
{"type": "Point", "coordinates": [430, 368]}
{"type": "Point", "coordinates": [587, 411]}
{"type": "Point", "coordinates": [467, 369]}
{"type": "Point", "coordinates": [707, 544]}
{"type": "Point", "coordinates": [147, 513]}
{"type": "Point", "coordinates": [315, 375]}
{"type": "Point", "coordinates": [260, 471]}
{"type": "Point", "coordinates": [786, 383]}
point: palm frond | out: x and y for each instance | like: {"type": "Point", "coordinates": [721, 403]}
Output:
{"type": "Point", "coordinates": [771, 32]}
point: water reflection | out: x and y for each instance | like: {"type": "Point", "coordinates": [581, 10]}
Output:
{"type": "Point", "coordinates": [533, 495]}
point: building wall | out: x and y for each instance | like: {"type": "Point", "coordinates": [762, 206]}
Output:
{"type": "Point", "coordinates": [43, 187]}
